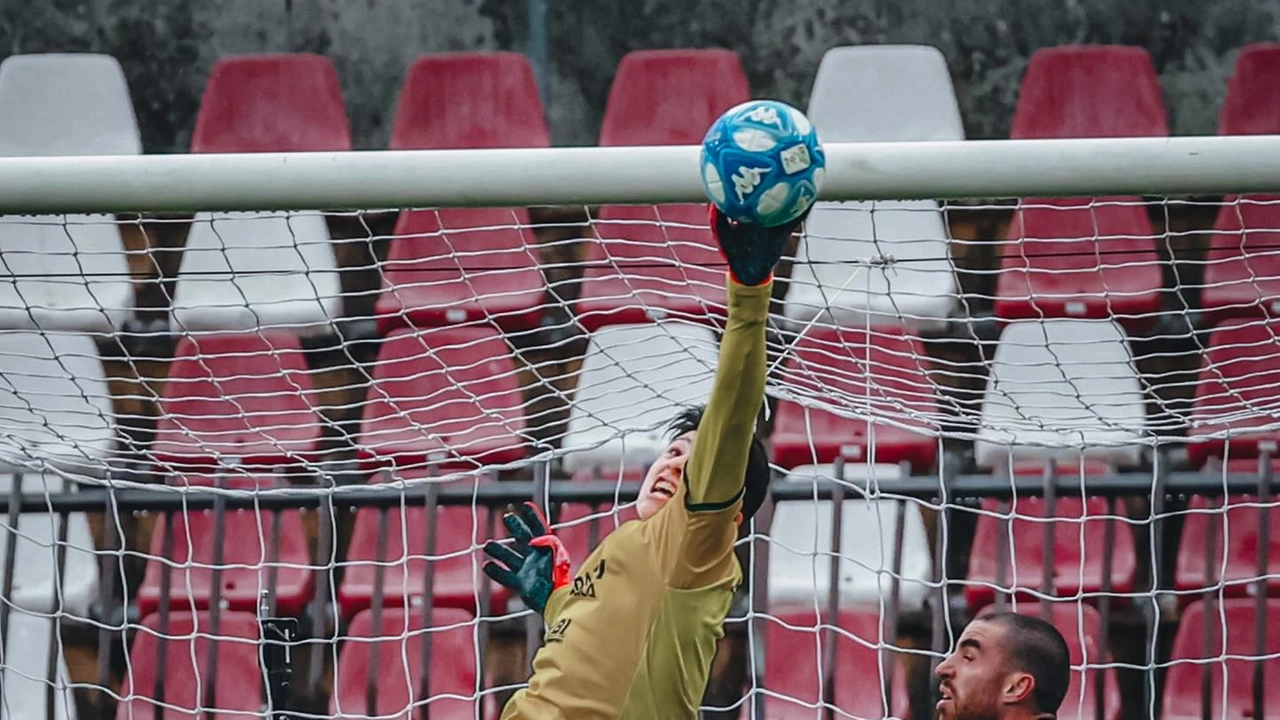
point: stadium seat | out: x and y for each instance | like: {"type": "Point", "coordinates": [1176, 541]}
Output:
{"type": "Point", "coordinates": [27, 643]}
{"type": "Point", "coordinates": [878, 93]}
{"type": "Point", "coordinates": [39, 584]}
{"type": "Point", "coordinates": [1073, 257]}
{"type": "Point", "coordinates": [457, 556]}
{"type": "Point", "coordinates": [1235, 413]}
{"type": "Point", "coordinates": [654, 262]}
{"type": "Point", "coordinates": [1237, 542]}
{"type": "Point", "coordinates": [635, 379]}
{"type": "Point", "coordinates": [1081, 626]}
{"type": "Point", "coordinates": [187, 663]}
{"type": "Point", "coordinates": [55, 405]}
{"type": "Point", "coordinates": [64, 272]}
{"type": "Point", "coordinates": [449, 396]}
{"type": "Point", "coordinates": [243, 399]}
{"type": "Point", "coordinates": [453, 265]}
{"type": "Point", "coordinates": [794, 647]}
{"type": "Point", "coordinates": [1079, 531]}
{"type": "Point", "coordinates": [884, 372]}
{"type": "Point", "coordinates": [395, 648]}
{"type": "Point", "coordinates": [251, 561]}
{"type": "Point", "coordinates": [1231, 660]}
{"type": "Point", "coordinates": [1242, 270]}
{"type": "Point", "coordinates": [1062, 389]}
{"type": "Point", "coordinates": [269, 102]}
{"type": "Point", "coordinates": [800, 544]}
{"type": "Point", "coordinates": [242, 271]}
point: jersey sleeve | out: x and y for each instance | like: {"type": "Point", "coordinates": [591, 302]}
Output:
{"type": "Point", "coordinates": [714, 475]}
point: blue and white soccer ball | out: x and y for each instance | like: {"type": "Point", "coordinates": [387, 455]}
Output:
{"type": "Point", "coordinates": [762, 163]}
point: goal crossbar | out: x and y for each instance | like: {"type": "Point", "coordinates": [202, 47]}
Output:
{"type": "Point", "coordinates": [597, 175]}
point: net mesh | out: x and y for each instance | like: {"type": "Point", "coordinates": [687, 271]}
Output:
{"type": "Point", "coordinates": [1064, 358]}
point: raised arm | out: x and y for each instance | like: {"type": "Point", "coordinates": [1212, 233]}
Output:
{"type": "Point", "coordinates": [719, 460]}
{"type": "Point", "coordinates": [716, 468]}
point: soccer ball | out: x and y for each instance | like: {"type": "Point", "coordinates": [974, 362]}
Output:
{"type": "Point", "coordinates": [762, 163]}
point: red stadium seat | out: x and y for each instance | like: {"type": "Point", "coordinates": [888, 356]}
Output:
{"type": "Point", "coordinates": [1081, 627]}
{"type": "Point", "coordinates": [1235, 539]}
{"type": "Point", "coordinates": [794, 644]}
{"type": "Point", "coordinates": [187, 670]}
{"type": "Point", "coordinates": [245, 397]}
{"type": "Point", "coordinates": [655, 262]}
{"type": "Point", "coordinates": [457, 574]}
{"type": "Point", "coordinates": [1242, 271]}
{"type": "Point", "coordinates": [1237, 393]}
{"type": "Point", "coordinates": [1078, 549]}
{"type": "Point", "coordinates": [455, 265]}
{"type": "Point", "coordinates": [885, 371]}
{"type": "Point", "coordinates": [451, 392]}
{"type": "Point", "coordinates": [248, 559]}
{"type": "Point", "coordinates": [398, 671]}
{"type": "Point", "coordinates": [272, 103]}
{"type": "Point", "coordinates": [1051, 265]}
{"type": "Point", "coordinates": [1237, 616]}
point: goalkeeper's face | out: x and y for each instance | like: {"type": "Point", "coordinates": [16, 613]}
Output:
{"type": "Point", "coordinates": [665, 476]}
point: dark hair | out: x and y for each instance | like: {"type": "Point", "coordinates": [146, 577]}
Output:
{"type": "Point", "coordinates": [756, 483]}
{"type": "Point", "coordinates": [1034, 646]}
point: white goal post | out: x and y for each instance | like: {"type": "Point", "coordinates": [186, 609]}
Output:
{"type": "Point", "coordinates": [588, 176]}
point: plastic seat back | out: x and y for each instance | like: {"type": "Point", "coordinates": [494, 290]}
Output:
{"type": "Point", "coordinates": [1235, 527]}
{"type": "Point", "coordinates": [884, 373]}
{"type": "Point", "coordinates": [186, 669]}
{"type": "Point", "coordinates": [1059, 388]}
{"type": "Point", "coordinates": [452, 391]}
{"type": "Point", "coordinates": [1235, 409]}
{"type": "Point", "coordinates": [286, 102]}
{"type": "Point", "coordinates": [634, 380]}
{"type": "Point", "coordinates": [401, 686]}
{"type": "Point", "coordinates": [1231, 660]}
{"type": "Point", "coordinates": [66, 104]}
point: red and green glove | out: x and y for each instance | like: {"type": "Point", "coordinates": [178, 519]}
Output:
{"type": "Point", "coordinates": [536, 565]}
{"type": "Point", "coordinates": [752, 250]}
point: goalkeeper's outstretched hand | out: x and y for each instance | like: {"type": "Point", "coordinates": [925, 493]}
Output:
{"type": "Point", "coordinates": [752, 250]}
{"type": "Point", "coordinates": [535, 565]}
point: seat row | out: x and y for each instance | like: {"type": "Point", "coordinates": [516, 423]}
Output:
{"type": "Point", "coordinates": [451, 265]}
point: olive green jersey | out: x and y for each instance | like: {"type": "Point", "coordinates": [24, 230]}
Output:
{"type": "Point", "coordinates": [635, 633]}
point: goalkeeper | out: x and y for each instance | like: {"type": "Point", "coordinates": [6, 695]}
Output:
{"type": "Point", "coordinates": [633, 634]}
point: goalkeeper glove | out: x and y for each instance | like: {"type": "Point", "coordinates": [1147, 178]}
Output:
{"type": "Point", "coordinates": [752, 250]}
{"type": "Point", "coordinates": [536, 565]}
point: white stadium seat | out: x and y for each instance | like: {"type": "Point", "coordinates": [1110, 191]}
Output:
{"type": "Point", "coordinates": [245, 271]}
{"type": "Point", "coordinates": [634, 380]}
{"type": "Point", "coordinates": [881, 93]}
{"type": "Point", "coordinates": [26, 670]}
{"type": "Point", "coordinates": [61, 105]}
{"type": "Point", "coordinates": [1060, 388]}
{"type": "Point", "coordinates": [800, 545]}
{"type": "Point", "coordinates": [55, 407]}
{"type": "Point", "coordinates": [38, 585]}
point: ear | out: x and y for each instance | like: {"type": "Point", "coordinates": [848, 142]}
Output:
{"type": "Point", "coordinates": [1017, 688]}
{"type": "Point", "coordinates": [737, 520]}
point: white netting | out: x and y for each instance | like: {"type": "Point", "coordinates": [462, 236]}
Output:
{"type": "Point", "coordinates": [928, 358]}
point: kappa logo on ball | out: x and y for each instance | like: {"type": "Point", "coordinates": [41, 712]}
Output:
{"type": "Point", "coordinates": [746, 180]}
{"type": "Point", "coordinates": [795, 159]}
{"type": "Point", "coordinates": [765, 115]}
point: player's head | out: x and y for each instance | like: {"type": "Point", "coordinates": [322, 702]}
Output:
{"type": "Point", "coordinates": [667, 472]}
{"type": "Point", "coordinates": [1006, 665]}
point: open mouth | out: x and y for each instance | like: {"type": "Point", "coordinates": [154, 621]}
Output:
{"type": "Point", "coordinates": [945, 697]}
{"type": "Point", "coordinates": [664, 488]}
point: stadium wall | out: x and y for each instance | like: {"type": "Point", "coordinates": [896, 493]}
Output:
{"type": "Point", "coordinates": [167, 48]}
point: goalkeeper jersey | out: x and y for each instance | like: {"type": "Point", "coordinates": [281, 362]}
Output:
{"type": "Point", "coordinates": [634, 635]}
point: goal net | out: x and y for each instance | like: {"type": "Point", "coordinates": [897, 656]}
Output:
{"type": "Point", "coordinates": [251, 457]}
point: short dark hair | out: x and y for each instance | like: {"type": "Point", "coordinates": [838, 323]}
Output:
{"type": "Point", "coordinates": [1034, 646]}
{"type": "Point", "coordinates": [756, 483]}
